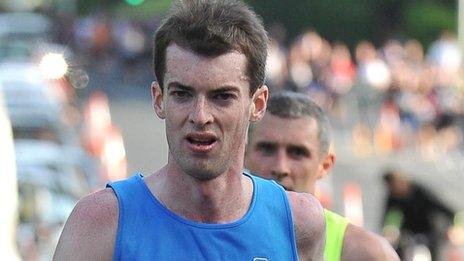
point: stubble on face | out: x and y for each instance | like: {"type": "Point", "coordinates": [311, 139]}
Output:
{"type": "Point", "coordinates": [286, 150]}
{"type": "Point", "coordinates": [226, 121]}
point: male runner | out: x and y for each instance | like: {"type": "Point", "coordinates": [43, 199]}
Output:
{"type": "Point", "coordinates": [291, 145]}
{"type": "Point", "coordinates": [209, 60]}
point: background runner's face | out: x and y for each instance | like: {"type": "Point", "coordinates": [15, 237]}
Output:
{"type": "Point", "coordinates": [207, 108]}
{"type": "Point", "coordinates": [286, 150]}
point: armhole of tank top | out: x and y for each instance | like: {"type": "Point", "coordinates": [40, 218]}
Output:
{"type": "Point", "coordinates": [291, 225]}
{"type": "Point", "coordinates": [119, 232]}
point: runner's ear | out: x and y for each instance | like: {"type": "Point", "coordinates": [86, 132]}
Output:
{"type": "Point", "coordinates": [157, 95]}
{"type": "Point", "coordinates": [327, 163]}
{"type": "Point", "coordinates": [258, 107]}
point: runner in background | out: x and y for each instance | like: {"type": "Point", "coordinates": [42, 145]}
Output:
{"type": "Point", "coordinates": [291, 146]}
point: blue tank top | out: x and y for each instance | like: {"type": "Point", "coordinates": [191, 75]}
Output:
{"type": "Point", "coordinates": [149, 231]}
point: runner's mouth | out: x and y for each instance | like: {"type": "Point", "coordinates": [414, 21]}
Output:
{"type": "Point", "coordinates": [201, 139]}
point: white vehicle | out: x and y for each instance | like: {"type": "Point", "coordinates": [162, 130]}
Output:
{"type": "Point", "coordinates": [65, 161]}
{"type": "Point", "coordinates": [25, 37]}
{"type": "Point", "coordinates": [35, 27]}
{"type": "Point", "coordinates": [36, 106]}
{"type": "Point", "coordinates": [51, 179]}
{"type": "Point", "coordinates": [43, 209]}
{"type": "Point", "coordinates": [24, 85]}
{"type": "Point", "coordinates": [52, 170]}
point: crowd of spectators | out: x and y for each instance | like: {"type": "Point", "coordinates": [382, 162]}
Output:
{"type": "Point", "coordinates": [388, 98]}
{"type": "Point", "coordinates": [385, 98]}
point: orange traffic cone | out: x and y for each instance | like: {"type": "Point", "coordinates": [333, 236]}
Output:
{"type": "Point", "coordinates": [352, 200]}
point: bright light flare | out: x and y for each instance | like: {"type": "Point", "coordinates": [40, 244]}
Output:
{"type": "Point", "coordinates": [53, 65]}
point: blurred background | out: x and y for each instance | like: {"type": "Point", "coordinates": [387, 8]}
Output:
{"type": "Point", "coordinates": [75, 108]}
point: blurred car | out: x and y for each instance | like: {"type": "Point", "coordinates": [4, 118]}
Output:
{"type": "Point", "coordinates": [25, 85]}
{"type": "Point", "coordinates": [51, 178]}
{"type": "Point", "coordinates": [64, 161]}
{"type": "Point", "coordinates": [15, 50]}
{"type": "Point", "coordinates": [43, 209]}
{"type": "Point", "coordinates": [38, 117]}
{"type": "Point", "coordinates": [36, 106]}
{"type": "Point", "coordinates": [22, 34]}
{"type": "Point", "coordinates": [25, 37]}
{"type": "Point", "coordinates": [53, 171]}
{"type": "Point", "coordinates": [25, 25]}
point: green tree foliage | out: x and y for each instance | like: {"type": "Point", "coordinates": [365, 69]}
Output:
{"type": "Point", "coordinates": [336, 20]}
{"type": "Point", "coordinates": [85, 7]}
{"type": "Point", "coordinates": [146, 10]}
{"type": "Point", "coordinates": [349, 21]}
{"type": "Point", "coordinates": [426, 20]}
{"type": "Point", "coordinates": [353, 20]}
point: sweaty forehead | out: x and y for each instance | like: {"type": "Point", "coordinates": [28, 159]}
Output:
{"type": "Point", "coordinates": [192, 69]}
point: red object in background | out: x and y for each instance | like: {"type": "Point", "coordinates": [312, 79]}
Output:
{"type": "Point", "coordinates": [113, 155]}
{"type": "Point", "coordinates": [352, 199]}
{"type": "Point", "coordinates": [97, 122]}
{"type": "Point", "coordinates": [103, 140]}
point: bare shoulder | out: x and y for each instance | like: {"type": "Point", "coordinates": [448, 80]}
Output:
{"type": "Point", "coordinates": [90, 230]}
{"type": "Point", "coordinates": [307, 212]}
{"type": "Point", "coordinates": [360, 244]}
{"type": "Point", "coordinates": [309, 222]}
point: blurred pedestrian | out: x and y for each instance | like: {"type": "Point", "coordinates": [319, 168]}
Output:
{"type": "Point", "coordinates": [210, 59]}
{"type": "Point", "coordinates": [291, 146]}
{"type": "Point", "coordinates": [412, 210]}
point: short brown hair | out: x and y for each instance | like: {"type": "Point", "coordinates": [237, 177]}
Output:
{"type": "Point", "coordinates": [212, 28]}
{"type": "Point", "coordinates": [292, 105]}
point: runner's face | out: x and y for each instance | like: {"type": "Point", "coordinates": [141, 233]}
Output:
{"type": "Point", "coordinates": [286, 150]}
{"type": "Point", "coordinates": [207, 108]}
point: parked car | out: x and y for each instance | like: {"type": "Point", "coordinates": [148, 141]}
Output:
{"type": "Point", "coordinates": [52, 169]}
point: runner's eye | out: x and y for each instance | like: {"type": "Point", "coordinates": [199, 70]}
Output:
{"type": "Point", "coordinates": [266, 149]}
{"type": "Point", "coordinates": [224, 96]}
{"type": "Point", "coordinates": [298, 152]}
{"type": "Point", "coordinates": [180, 95]}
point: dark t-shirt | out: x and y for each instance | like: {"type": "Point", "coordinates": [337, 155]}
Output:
{"type": "Point", "coordinates": [418, 209]}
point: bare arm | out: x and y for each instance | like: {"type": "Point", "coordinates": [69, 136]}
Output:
{"type": "Point", "coordinates": [90, 230]}
{"type": "Point", "coordinates": [309, 221]}
{"type": "Point", "coordinates": [360, 244]}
